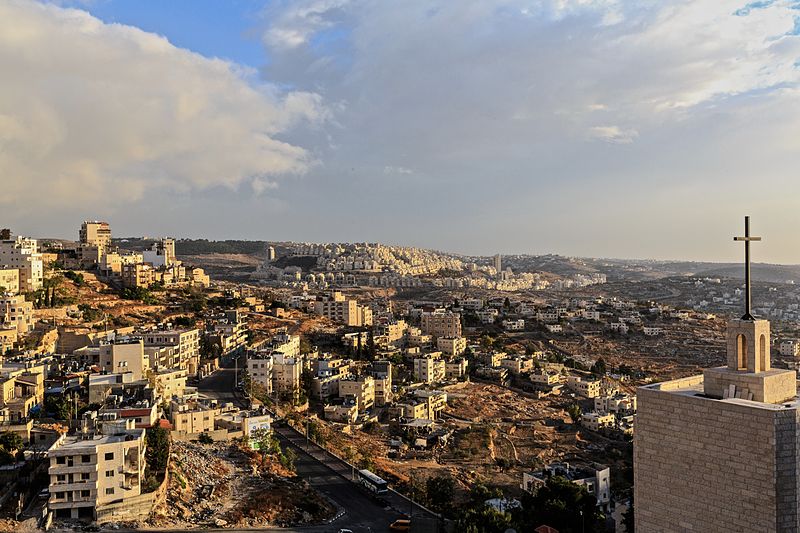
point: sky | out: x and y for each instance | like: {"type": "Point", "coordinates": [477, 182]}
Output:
{"type": "Point", "coordinates": [602, 128]}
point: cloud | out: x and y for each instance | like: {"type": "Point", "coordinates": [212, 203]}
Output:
{"type": "Point", "coordinates": [397, 170]}
{"type": "Point", "coordinates": [101, 115]}
{"type": "Point", "coordinates": [613, 134]}
{"type": "Point", "coordinates": [535, 97]}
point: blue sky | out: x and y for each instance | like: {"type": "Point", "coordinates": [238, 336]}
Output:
{"type": "Point", "coordinates": [227, 29]}
{"type": "Point", "coordinates": [610, 128]}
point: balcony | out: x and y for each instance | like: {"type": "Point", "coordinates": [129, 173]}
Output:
{"type": "Point", "coordinates": [73, 468]}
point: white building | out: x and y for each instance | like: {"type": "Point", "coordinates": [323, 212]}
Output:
{"type": "Point", "coordinates": [22, 254]}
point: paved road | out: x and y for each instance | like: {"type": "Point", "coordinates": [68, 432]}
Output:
{"type": "Point", "coordinates": [324, 472]}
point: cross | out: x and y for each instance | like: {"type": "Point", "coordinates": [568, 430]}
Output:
{"type": "Point", "coordinates": [747, 239]}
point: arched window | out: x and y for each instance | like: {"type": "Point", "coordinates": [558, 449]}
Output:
{"type": "Point", "coordinates": [741, 351]}
{"type": "Point", "coordinates": [762, 353]}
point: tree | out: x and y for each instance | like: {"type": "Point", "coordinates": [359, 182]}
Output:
{"type": "Point", "coordinates": [563, 505]}
{"type": "Point", "coordinates": [58, 406]}
{"type": "Point", "coordinates": [440, 491]}
{"type": "Point", "coordinates": [305, 345]}
{"type": "Point", "coordinates": [599, 367]}
{"type": "Point", "coordinates": [157, 453]}
{"type": "Point", "coordinates": [10, 442]}
{"type": "Point", "coordinates": [574, 412]}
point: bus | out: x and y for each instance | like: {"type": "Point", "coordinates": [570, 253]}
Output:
{"type": "Point", "coordinates": [372, 482]}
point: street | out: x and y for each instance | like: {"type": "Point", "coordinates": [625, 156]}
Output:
{"type": "Point", "coordinates": [325, 473]}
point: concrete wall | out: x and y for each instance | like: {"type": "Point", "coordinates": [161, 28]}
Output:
{"type": "Point", "coordinates": [217, 435]}
{"type": "Point", "coordinates": [714, 466]}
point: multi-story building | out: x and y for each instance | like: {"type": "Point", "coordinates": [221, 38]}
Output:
{"type": "Point", "coordinates": [92, 469]}
{"type": "Point", "coordinates": [288, 345]}
{"type": "Point", "coordinates": [22, 254]}
{"type": "Point", "coordinates": [20, 391]}
{"type": "Point", "coordinates": [451, 345]}
{"type": "Point", "coordinates": [429, 370]}
{"type": "Point", "coordinates": [259, 369]}
{"type": "Point", "coordinates": [790, 348]}
{"type": "Point", "coordinates": [192, 416]}
{"type": "Point", "coordinates": [9, 280]}
{"type": "Point", "coordinates": [96, 233]}
{"type": "Point", "coordinates": [441, 324]}
{"type": "Point", "coordinates": [124, 356]}
{"type": "Point", "coordinates": [383, 391]}
{"type": "Point", "coordinates": [138, 275]}
{"type": "Point", "coordinates": [286, 372]}
{"type": "Point", "coordinates": [360, 390]}
{"type": "Point", "coordinates": [589, 388]}
{"type": "Point", "coordinates": [596, 421]}
{"type": "Point", "coordinates": [16, 313]}
{"type": "Point", "coordinates": [339, 309]}
{"type": "Point", "coordinates": [455, 368]}
{"type": "Point", "coordinates": [517, 365]}
{"type": "Point", "coordinates": [185, 342]}
{"type": "Point", "coordinates": [435, 400]}
{"type": "Point", "coordinates": [161, 253]}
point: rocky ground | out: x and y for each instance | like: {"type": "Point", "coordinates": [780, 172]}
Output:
{"type": "Point", "coordinates": [227, 485]}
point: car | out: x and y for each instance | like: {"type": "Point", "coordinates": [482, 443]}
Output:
{"type": "Point", "coordinates": [345, 531]}
{"type": "Point", "coordinates": [400, 526]}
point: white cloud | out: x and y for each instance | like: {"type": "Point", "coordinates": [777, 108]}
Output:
{"type": "Point", "coordinates": [106, 114]}
{"type": "Point", "coordinates": [613, 134]}
{"type": "Point", "coordinates": [397, 170]}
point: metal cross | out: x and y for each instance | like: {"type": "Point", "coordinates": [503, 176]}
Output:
{"type": "Point", "coordinates": [747, 239]}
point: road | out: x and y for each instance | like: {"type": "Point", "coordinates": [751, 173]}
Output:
{"type": "Point", "coordinates": [328, 475]}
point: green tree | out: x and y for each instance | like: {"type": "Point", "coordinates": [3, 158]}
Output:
{"type": "Point", "coordinates": [561, 504]}
{"type": "Point", "coordinates": [10, 442]}
{"type": "Point", "coordinates": [157, 453]}
{"type": "Point", "coordinates": [58, 406]}
{"type": "Point", "coordinates": [574, 412]}
{"type": "Point", "coordinates": [599, 367]}
{"type": "Point", "coordinates": [440, 491]}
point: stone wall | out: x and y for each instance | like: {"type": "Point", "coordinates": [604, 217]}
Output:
{"type": "Point", "coordinates": [713, 466]}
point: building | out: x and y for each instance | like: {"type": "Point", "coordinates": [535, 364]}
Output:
{"type": "Point", "coordinates": [451, 345]}
{"type": "Point", "coordinates": [95, 468]}
{"type": "Point", "coordinates": [22, 254]}
{"type": "Point", "coordinates": [586, 388]}
{"type": "Point", "coordinates": [596, 421]}
{"type": "Point", "coordinates": [789, 348]}
{"type": "Point", "coordinates": [718, 452]}
{"type": "Point", "coordinates": [441, 324]}
{"type": "Point", "coordinates": [124, 356]}
{"type": "Point", "coordinates": [595, 478]}
{"type": "Point", "coordinates": [347, 414]}
{"type": "Point", "coordinates": [514, 325]}
{"type": "Point", "coordinates": [161, 253]}
{"type": "Point", "coordinates": [185, 342]}
{"type": "Point", "coordinates": [435, 400]}
{"type": "Point", "coordinates": [16, 313]}
{"type": "Point", "coordinates": [192, 416]}
{"type": "Point", "coordinates": [339, 309]}
{"type": "Point", "coordinates": [429, 370]}
{"type": "Point", "coordinates": [286, 372]}
{"type": "Point", "coordinates": [96, 233]}
{"type": "Point", "coordinates": [9, 280]}
{"type": "Point", "coordinates": [259, 370]}
{"type": "Point", "coordinates": [455, 368]}
{"type": "Point", "coordinates": [517, 365]}
{"type": "Point", "coordinates": [358, 391]}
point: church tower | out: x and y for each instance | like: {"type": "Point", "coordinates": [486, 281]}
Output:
{"type": "Point", "coordinates": [719, 452]}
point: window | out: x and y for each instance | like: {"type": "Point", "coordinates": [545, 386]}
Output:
{"type": "Point", "coordinates": [109, 456]}
{"type": "Point", "coordinates": [84, 494]}
{"type": "Point", "coordinates": [84, 476]}
{"type": "Point", "coordinates": [109, 473]}
{"type": "Point", "coordinates": [61, 460]}
{"type": "Point", "coordinates": [86, 458]}
{"type": "Point", "coordinates": [109, 491]}
{"type": "Point", "coordinates": [61, 477]}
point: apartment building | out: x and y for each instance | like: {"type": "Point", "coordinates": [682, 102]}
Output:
{"type": "Point", "coordinates": [192, 416]}
{"type": "Point", "coordinates": [288, 345]}
{"type": "Point", "coordinates": [360, 390]}
{"type": "Point", "coordinates": [96, 233]}
{"type": "Point", "coordinates": [429, 370]}
{"type": "Point", "coordinates": [339, 309]}
{"type": "Point", "coordinates": [451, 345]}
{"type": "Point", "coordinates": [138, 275]}
{"type": "Point", "coordinates": [595, 478]}
{"type": "Point", "coordinates": [788, 348]}
{"type": "Point", "coordinates": [596, 421]}
{"type": "Point", "coordinates": [441, 324]}
{"type": "Point", "coordinates": [9, 280]}
{"type": "Point", "coordinates": [22, 255]}
{"type": "Point", "coordinates": [161, 253]}
{"type": "Point", "coordinates": [435, 400]}
{"type": "Point", "coordinates": [16, 313]}
{"type": "Point", "coordinates": [588, 388]}
{"type": "Point", "coordinates": [185, 342]}
{"type": "Point", "coordinates": [286, 372]}
{"type": "Point", "coordinates": [20, 391]}
{"type": "Point", "coordinates": [517, 365]}
{"type": "Point", "coordinates": [96, 468]}
{"type": "Point", "coordinates": [455, 368]}
{"type": "Point", "coordinates": [383, 391]}
{"type": "Point", "coordinates": [259, 369]}
{"type": "Point", "coordinates": [125, 356]}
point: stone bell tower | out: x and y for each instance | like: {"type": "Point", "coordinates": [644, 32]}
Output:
{"type": "Point", "coordinates": [748, 375]}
